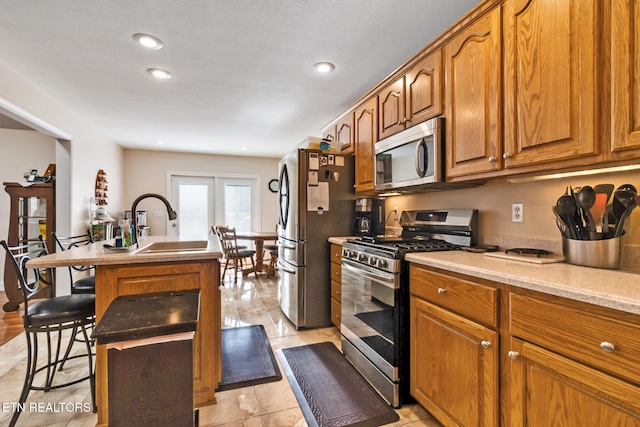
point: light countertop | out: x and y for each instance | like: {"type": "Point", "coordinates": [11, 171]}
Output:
{"type": "Point", "coordinates": [95, 254]}
{"type": "Point", "coordinates": [340, 240]}
{"type": "Point", "coordinates": [617, 289]}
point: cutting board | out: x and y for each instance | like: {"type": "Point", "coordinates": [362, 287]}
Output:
{"type": "Point", "coordinates": [545, 259]}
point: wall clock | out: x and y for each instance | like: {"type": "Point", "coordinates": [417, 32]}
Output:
{"type": "Point", "coordinates": [273, 185]}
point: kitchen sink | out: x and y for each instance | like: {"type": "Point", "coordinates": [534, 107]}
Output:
{"type": "Point", "coordinates": [177, 246]}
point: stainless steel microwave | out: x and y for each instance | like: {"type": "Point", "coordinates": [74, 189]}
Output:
{"type": "Point", "coordinates": [412, 158]}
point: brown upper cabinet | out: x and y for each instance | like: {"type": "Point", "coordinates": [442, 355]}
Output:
{"type": "Point", "coordinates": [342, 132]}
{"type": "Point", "coordinates": [550, 78]}
{"type": "Point", "coordinates": [413, 98]}
{"type": "Point", "coordinates": [366, 126]}
{"type": "Point", "coordinates": [472, 91]}
{"type": "Point", "coordinates": [625, 78]}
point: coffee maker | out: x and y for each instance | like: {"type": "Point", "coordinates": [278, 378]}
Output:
{"type": "Point", "coordinates": [368, 217]}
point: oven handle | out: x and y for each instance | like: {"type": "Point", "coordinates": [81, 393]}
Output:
{"type": "Point", "coordinates": [386, 279]}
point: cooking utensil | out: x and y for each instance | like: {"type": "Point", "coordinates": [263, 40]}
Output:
{"type": "Point", "coordinates": [623, 203]}
{"type": "Point", "coordinates": [597, 211]}
{"type": "Point", "coordinates": [566, 207]}
{"type": "Point", "coordinates": [587, 198]}
{"type": "Point", "coordinates": [629, 187]}
{"type": "Point", "coordinates": [604, 189]}
{"type": "Point", "coordinates": [562, 226]}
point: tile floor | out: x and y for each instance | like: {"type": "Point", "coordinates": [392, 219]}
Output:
{"type": "Point", "coordinates": [248, 302]}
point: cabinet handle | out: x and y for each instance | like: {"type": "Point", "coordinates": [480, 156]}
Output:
{"type": "Point", "coordinates": [441, 291]}
{"type": "Point", "coordinates": [485, 344]}
{"type": "Point", "coordinates": [492, 159]}
{"type": "Point", "coordinates": [513, 355]}
{"type": "Point", "coordinates": [506, 156]}
{"type": "Point", "coordinates": [607, 347]}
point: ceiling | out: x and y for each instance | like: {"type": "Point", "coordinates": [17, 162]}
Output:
{"type": "Point", "coordinates": [243, 80]}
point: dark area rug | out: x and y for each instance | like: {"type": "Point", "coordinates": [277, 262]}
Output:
{"type": "Point", "coordinates": [247, 358]}
{"type": "Point", "coordinates": [330, 391]}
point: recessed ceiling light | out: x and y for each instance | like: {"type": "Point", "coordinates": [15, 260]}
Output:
{"type": "Point", "coordinates": [324, 67]}
{"type": "Point", "coordinates": [159, 73]}
{"type": "Point", "coordinates": [243, 148]}
{"type": "Point", "coordinates": [147, 40]}
{"type": "Point", "coordinates": [160, 142]}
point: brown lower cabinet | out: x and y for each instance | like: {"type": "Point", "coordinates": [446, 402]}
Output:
{"type": "Point", "coordinates": [336, 284]}
{"type": "Point", "coordinates": [545, 361]}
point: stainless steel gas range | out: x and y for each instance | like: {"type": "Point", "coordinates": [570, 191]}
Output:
{"type": "Point", "coordinates": [375, 294]}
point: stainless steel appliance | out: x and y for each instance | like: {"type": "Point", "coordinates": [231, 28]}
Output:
{"type": "Point", "coordinates": [411, 158]}
{"type": "Point", "coordinates": [375, 294]}
{"type": "Point", "coordinates": [368, 218]}
{"type": "Point", "coordinates": [315, 200]}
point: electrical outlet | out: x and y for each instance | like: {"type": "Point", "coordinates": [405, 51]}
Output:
{"type": "Point", "coordinates": [517, 212]}
{"type": "Point", "coordinates": [395, 214]}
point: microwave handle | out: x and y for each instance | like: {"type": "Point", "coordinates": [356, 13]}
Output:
{"type": "Point", "coordinates": [422, 171]}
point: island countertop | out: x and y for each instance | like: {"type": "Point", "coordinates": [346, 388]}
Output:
{"type": "Point", "coordinates": [96, 254]}
{"type": "Point", "coordinates": [617, 289]}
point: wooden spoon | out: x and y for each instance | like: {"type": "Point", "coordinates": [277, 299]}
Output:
{"type": "Point", "coordinates": [597, 210]}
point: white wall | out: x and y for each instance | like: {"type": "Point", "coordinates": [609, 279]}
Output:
{"type": "Point", "coordinates": [494, 199]}
{"type": "Point", "coordinates": [89, 150]}
{"type": "Point", "coordinates": [146, 172]}
{"type": "Point", "coordinates": [22, 150]}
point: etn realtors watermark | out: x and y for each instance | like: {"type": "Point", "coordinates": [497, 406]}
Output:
{"type": "Point", "coordinates": [46, 407]}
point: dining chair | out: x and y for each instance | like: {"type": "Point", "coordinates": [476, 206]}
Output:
{"type": "Point", "coordinates": [273, 257]}
{"type": "Point", "coordinates": [45, 314]}
{"type": "Point", "coordinates": [232, 253]}
{"type": "Point", "coordinates": [84, 285]}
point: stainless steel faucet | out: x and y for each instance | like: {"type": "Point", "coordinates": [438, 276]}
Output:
{"type": "Point", "coordinates": [172, 214]}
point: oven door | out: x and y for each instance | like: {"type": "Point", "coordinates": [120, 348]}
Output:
{"type": "Point", "coordinates": [370, 314]}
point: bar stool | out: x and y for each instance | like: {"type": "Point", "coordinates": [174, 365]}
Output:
{"type": "Point", "coordinates": [85, 285]}
{"type": "Point", "coordinates": [46, 314]}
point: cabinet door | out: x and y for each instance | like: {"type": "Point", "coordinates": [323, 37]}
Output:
{"type": "Point", "coordinates": [550, 80]}
{"type": "Point", "coordinates": [625, 94]}
{"type": "Point", "coordinates": [391, 118]}
{"type": "Point", "coordinates": [453, 366]}
{"type": "Point", "coordinates": [366, 124]}
{"type": "Point", "coordinates": [344, 134]}
{"type": "Point", "coordinates": [551, 390]}
{"type": "Point", "coordinates": [423, 89]}
{"type": "Point", "coordinates": [472, 63]}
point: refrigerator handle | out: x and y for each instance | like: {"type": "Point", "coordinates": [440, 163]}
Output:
{"type": "Point", "coordinates": [282, 267]}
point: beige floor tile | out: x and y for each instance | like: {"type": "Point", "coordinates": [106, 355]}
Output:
{"type": "Point", "coordinates": [289, 418]}
{"type": "Point", "coordinates": [250, 301]}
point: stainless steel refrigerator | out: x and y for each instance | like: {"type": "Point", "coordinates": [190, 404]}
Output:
{"type": "Point", "coordinates": [316, 201]}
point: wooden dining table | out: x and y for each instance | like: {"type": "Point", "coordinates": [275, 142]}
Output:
{"type": "Point", "coordinates": [259, 237]}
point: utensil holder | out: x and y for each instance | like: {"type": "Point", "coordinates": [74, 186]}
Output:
{"type": "Point", "coordinates": [593, 253]}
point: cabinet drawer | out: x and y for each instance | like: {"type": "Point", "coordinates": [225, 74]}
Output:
{"type": "Point", "coordinates": [577, 333]}
{"type": "Point", "coordinates": [336, 309]}
{"type": "Point", "coordinates": [336, 272]}
{"type": "Point", "coordinates": [336, 253]}
{"type": "Point", "coordinates": [470, 299]}
{"type": "Point", "coordinates": [336, 290]}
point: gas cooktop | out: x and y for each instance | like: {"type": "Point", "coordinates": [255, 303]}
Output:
{"type": "Point", "coordinates": [405, 244]}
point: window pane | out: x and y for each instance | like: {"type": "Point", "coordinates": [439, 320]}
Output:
{"type": "Point", "coordinates": [193, 219]}
{"type": "Point", "coordinates": [237, 206]}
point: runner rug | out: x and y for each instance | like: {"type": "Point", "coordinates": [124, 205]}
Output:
{"type": "Point", "coordinates": [330, 391]}
{"type": "Point", "coordinates": [247, 358]}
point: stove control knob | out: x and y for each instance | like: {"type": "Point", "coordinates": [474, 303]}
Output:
{"type": "Point", "coordinates": [381, 263]}
{"type": "Point", "coordinates": [372, 260]}
{"type": "Point", "coordinates": [362, 257]}
{"type": "Point", "coordinates": [345, 253]}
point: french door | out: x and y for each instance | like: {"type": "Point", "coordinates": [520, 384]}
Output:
{"type": "Point", "coordinates": [193, 198]}
{"type": "Point", "coordinates": [203, 201]}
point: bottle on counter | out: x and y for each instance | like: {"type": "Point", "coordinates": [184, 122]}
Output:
{"type": "Point", "coordinates": [125, 233]}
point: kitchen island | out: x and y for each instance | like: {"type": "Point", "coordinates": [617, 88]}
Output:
{"type": "Point", "coordinates": [145, 271]}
